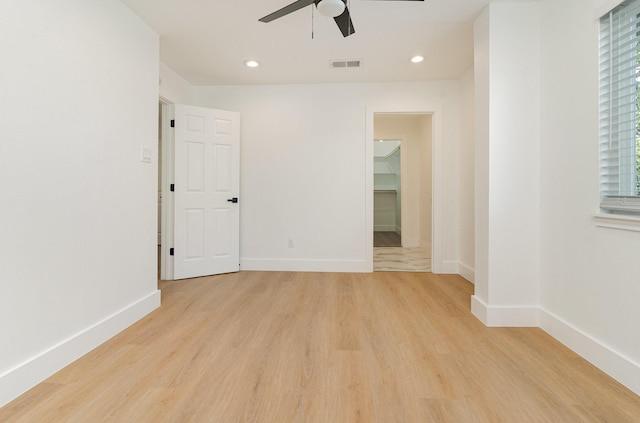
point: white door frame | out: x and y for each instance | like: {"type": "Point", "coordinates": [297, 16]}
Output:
{"type": "Point", "coordinates": [166, 236]}
{"type": "Point", "coordinates": [437, 159]}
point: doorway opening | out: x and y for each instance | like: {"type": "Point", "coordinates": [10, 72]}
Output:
{"type": "Point", "coordinates": [199, 189]}
{"type": "Point", "coordinates": [387, 193]}
{"type": "Point", "coordinates": [402, 192]}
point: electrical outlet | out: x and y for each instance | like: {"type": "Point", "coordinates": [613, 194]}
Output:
{"type": "Point", "coordinates": [290, 243]}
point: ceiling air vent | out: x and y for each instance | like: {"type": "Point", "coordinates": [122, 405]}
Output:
{"type": "Point", "coordinates": [346, 64]}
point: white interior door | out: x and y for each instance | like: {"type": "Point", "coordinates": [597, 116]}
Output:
{"type": "Point", "coordinates": [206, 191]}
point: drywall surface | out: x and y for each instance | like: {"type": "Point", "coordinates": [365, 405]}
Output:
{"type": "Point", "coordinates": [79, 89]}
{"type": "Point", "coordinates": [590, 277]}
{"type": "Point", "coordinates": [507, 162]}
{"type": "Point", "coordinates": [304, 167]}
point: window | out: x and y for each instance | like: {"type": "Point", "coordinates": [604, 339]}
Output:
{"type": "Point", "coordinates": [620, 109]}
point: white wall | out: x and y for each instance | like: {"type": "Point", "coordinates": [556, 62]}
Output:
{"type": "Point", "coordinates": [173, 87]}
{"type": "Point", "coordinates": [295, 186]}
{"type": "Point", "coordinates": [590, 276]}
{"type": "Point", "coordinates": [537, 178]}
{"type": "Point", "coordinates": [467, 177]}
{"type": "Point", "coordinates": [79, 90]}
{"type": "Point", "coordinates": [481, 153]}
{"type": "Point", "coordinates": [507, 164]}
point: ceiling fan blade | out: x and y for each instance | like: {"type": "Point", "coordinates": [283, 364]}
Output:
{"type": "Point", "coordinates": [344, 23]}
{"type": "Point", "coordinates": [296, 5]}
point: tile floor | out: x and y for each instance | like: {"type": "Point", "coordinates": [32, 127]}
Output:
{"type": "Point", "coordinates": [398, 259]}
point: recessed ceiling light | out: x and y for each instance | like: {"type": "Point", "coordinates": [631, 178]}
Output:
{"type": "Point", "coordinates": [251, 63]}
{"type": "Point", "coordinates": [417, 59]}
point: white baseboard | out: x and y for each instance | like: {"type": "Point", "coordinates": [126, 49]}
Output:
{"type": "Point", "coordinates": [448, 267]}
{"type": "Point", "coordinates": [25, 376]}
{"type": "Point", "coordinates": [467, 272]}
{"type": "Point", "coordinates": [619, 367]}
{"type": "Point", "coordinates": [292, 265]}
{"type": "Point", "coordinates": [609, 361]}
{"type": "Point", "coordinates": [503, 316]}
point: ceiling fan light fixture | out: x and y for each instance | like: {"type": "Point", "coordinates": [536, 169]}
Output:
{"type": "Point", "coordinates": [331, 8]}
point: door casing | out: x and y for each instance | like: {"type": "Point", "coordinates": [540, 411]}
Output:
{"type": "Point", "coordinates": [437, 221]}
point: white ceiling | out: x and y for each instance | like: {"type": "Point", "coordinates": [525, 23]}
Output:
{"type": "Point", "coordinates": [207, 41]}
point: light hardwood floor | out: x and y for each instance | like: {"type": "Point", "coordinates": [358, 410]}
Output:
{"type": "Point", "coordinates": [309, 347]}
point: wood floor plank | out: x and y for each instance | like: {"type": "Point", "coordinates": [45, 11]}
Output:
{"type": "Point", "coordinates": [325, 347]}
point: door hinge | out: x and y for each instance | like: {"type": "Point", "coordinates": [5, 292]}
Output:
{"type": "Point", "coordinates": [172, 188]}
{"type": "Point", "coordinates": [173, 123]}
{"type": "Point", "coordinates": [170, 251]}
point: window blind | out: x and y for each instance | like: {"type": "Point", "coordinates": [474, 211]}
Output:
{"type": "Point", "coordinates": [620, 108]}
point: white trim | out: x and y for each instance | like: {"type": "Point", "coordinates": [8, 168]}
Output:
{"type": "Point", "coordinates": [448, 267]}
{"type": "Point", "coordinates": [404, 186]}
{"type": "Point", "coordinates": [437, 169]}
{"type": "Point", "coordinates": [167, 210]}
{"type": "Point", "coordinates": [293, 265]}
{"type": "Point", "coordinates": [368, 188]}
{"type": "Point", "coordinates": [597, 353]}
{"type": "Point", "coordinates": [479, 309]}
{"type": "Point", "coordinates": [505, 316]}
{"type": "Point", "coordinates": [616, 365]}
{"type": "Point", "coordinates": [467, 272]}
{"type": "Point", "coordinates": [28, 374]}
{"type": "Point", "coordinates": [437, 204]}
{"type": "Point", "coordinates": [617, 221]}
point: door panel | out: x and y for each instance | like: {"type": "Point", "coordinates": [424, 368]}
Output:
{"type": "Point", "coordinates": [207, 159]}
{"type": "Point", "coordinates": [195, 234]}
{"type": "Point", "coordinates": [195, 167]}
{"type": "Point", "coordinates": [223, 176]}
{"type": "Point", "coordinates": [223, 220]}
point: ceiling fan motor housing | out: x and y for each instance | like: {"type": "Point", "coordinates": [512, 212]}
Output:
{"type": "Point", "coordinates": [330, 8]}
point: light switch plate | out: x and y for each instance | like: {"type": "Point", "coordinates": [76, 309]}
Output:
{"type": "Point", "coordinates": [145, 154]}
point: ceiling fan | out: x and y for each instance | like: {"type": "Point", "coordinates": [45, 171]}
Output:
{"type": "Point", "coordinates": [336, 9]}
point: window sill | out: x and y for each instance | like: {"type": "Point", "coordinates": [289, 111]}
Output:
{"type": "Point", "coordinates": [617, 221]}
